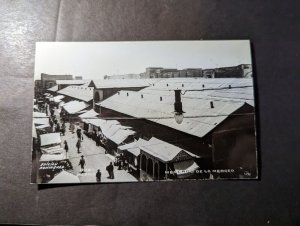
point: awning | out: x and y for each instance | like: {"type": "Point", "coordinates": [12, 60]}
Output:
{"type": "Point", "coordinates": [40, 121]}
{"type": "Point", "coordinates": [89, 114]}
{"type": "Point", "coordinates": [52, 157]}
{"type": "Point", "coordinates": [58, 98]}
{"type": "Point", "coordinates": [43, 126]}
{"type": "Point", "coordinates": [121, 135]}
{"type": "Point", "coordinates": [185, 168]}
{"type": "Point", "coordinates": [36, 114]}
{"type": "Point", "coordinates": [53, 150]}
{"type": "Point", "coordinates": [75, 106]}
{"type": "Point", "coordinates": [64, 177]}
{"type": "Point", "coordinates": [50, 138]}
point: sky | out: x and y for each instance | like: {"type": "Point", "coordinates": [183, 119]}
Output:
{"type": "Point", "coordinates": [93, 60]}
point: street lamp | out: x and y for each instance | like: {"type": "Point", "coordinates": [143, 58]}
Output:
{"type": "Point", "coordinates": [178, 112]}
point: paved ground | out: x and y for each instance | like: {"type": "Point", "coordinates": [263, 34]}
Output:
{"type": "Point", "coordinates": [95, 158]}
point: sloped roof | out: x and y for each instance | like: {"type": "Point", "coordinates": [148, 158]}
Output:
{"type": "Point", "coordinates": [121, 135]}
{"type": "Point", "coordinates": [89, 114]}
{"type": "Point", "coordinates": [83, 93]}
{"type": "Point", "coordinates": [199, 119]}
{"type": "Point", "coordinates": [74, 106]}
{"type": "Point", "coordinates": [53, 89]}
{"type": "Point", "coordinates": [64, 177]}
{"type": "Point", "coordinates": [120, 83]}
{"type": "Point", "coordinates": [50, 138]}
{"type": "Point", "coordinates": [133, 147]}
{"type": "Point", "coordinates": [57, 98]}
{"type": "Point", "coordinates": [163, 150]}
{"type": "Point", "coordinates": [244, 94]}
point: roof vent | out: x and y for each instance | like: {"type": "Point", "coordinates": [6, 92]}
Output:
{"type": "Point", "coordinates": [142, 96]}
{"type": "Point", "coordinates": [160, 98]}
{"type": "Point", "coordinates": [182, 85]}
{"type": "Point", "coordinates": [203, 85]}
{"type": "Point", "coordinates": [212, 104]}
{"type": "Point", "coordinates": [229, 87]}
{"type": "Point", "coordinates": [167, 84]}
{"type": "Point", "coordinates": [127, 94]}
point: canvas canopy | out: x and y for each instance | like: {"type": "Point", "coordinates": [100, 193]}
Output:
{"type": "Point", "coordinates": [53, 150]}
{"type": "Point", "coordinates": [89, 114]}
{"type": "Point", "coordinates": [64, 177]}
{"type": "Point", "coordinates": [50, 138]}
{"type": "Point", "coordinates": [52, 157]}
{"type": "Point", "coordinates": [164, 151]}
{"type": "Point", "coordinates": [75, 106]}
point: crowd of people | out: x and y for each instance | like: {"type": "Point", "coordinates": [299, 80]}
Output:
{"type": "Point", "coordinates": [57, 123]}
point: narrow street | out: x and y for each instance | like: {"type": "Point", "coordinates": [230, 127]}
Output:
{"type": "Point", "coordinates": [95, 158]}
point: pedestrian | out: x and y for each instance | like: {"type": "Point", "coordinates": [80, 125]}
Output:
{"type": "Point", "coordinates": [78, 131]}
{"type": "Point", "coordinates": [63, 128]}
{"type": "Point", "coordinates": [78, 145]}
{"type": "Point", "coordinates": [66, 148]}
{"type": "Point", "coordinates": [57, 127]}
{"type": "Point", "coordinates": [110, 170]}
{"type": "Point", "coordinates": [82, 164]}
{"type": "Point", "coordinates": [98, 140]}
{"type": "Point", "coordinates": [98, 175]}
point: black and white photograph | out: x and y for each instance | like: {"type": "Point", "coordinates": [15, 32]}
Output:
{"type": "Point", "coordinates": [111, 112]}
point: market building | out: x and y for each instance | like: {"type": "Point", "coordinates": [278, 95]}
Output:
{"type": "Point", "coordinates": [213, 119]}
{"type": "Point", "coordinates": [108, 87]}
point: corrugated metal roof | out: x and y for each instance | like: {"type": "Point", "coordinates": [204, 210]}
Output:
{"type": "Point", "coordinates": [78, 92]}
{"type": "Point", "coordinates": [74, 106]}
{"type": "Point", "coordinates": [133, 147]}
{"type": "Point", "coordinates": [162, 150]}
{"type": "Point", "coordinates": [244, 94]}
{"type": "Point", "coordinates": [196, 121]}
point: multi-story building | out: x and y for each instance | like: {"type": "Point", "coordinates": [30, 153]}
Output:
{"type": "Point", "coordinates": [49, 81]}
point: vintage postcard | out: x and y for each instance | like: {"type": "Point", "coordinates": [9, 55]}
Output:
{"type": "Point", "coordinates": [110, 112]}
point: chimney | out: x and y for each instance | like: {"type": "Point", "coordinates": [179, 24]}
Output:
{"type": "Point", "coordinates": [203, 85]}
{"type": "Point", "coordinates": [211, 104]}
{"type": "Point", "coordinates": [160, 98]}
{"type": "Point", "coordinates": [182, 85]}
{"type": "Point", "coordinates": [127, 94]}
{"type": "Point", "coordinates": [229, 87]}
{"type": "Point", "coordinates": [142, 96]}
{"type": "Point", "coordinates": [167, 84]}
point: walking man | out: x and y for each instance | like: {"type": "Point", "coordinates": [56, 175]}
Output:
{"type": "Point", "coordinates": [110, 170]}
{"type": "Point", "coordinates": [63, 128]}
{"type": "Point", "coordinates": [82, 164]}
{"type": "Point", "coordinates": [66, 148]}
{"type": "Point", "coordinates": [98, 175]}
{"type": "Point", "coordinates": [78, 145]}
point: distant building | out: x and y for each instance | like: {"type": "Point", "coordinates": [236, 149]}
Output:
{"type": "Point", "coordinates": [159, 72]}
{"type": "Point", "coordinates": [78, 77]}
{"type": "Point", "coordinates": [240, 71]}
{"type": "Point", "coordinates": [49, 81]}
{"type": "Point", "coordinates": [108, 87]}
{"type": "Point", "coordinates": [125, 76]}
{"type": "Point", "coordinates": [151, 72]}
{"type": "Point", "coordinates": [65, 83]}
